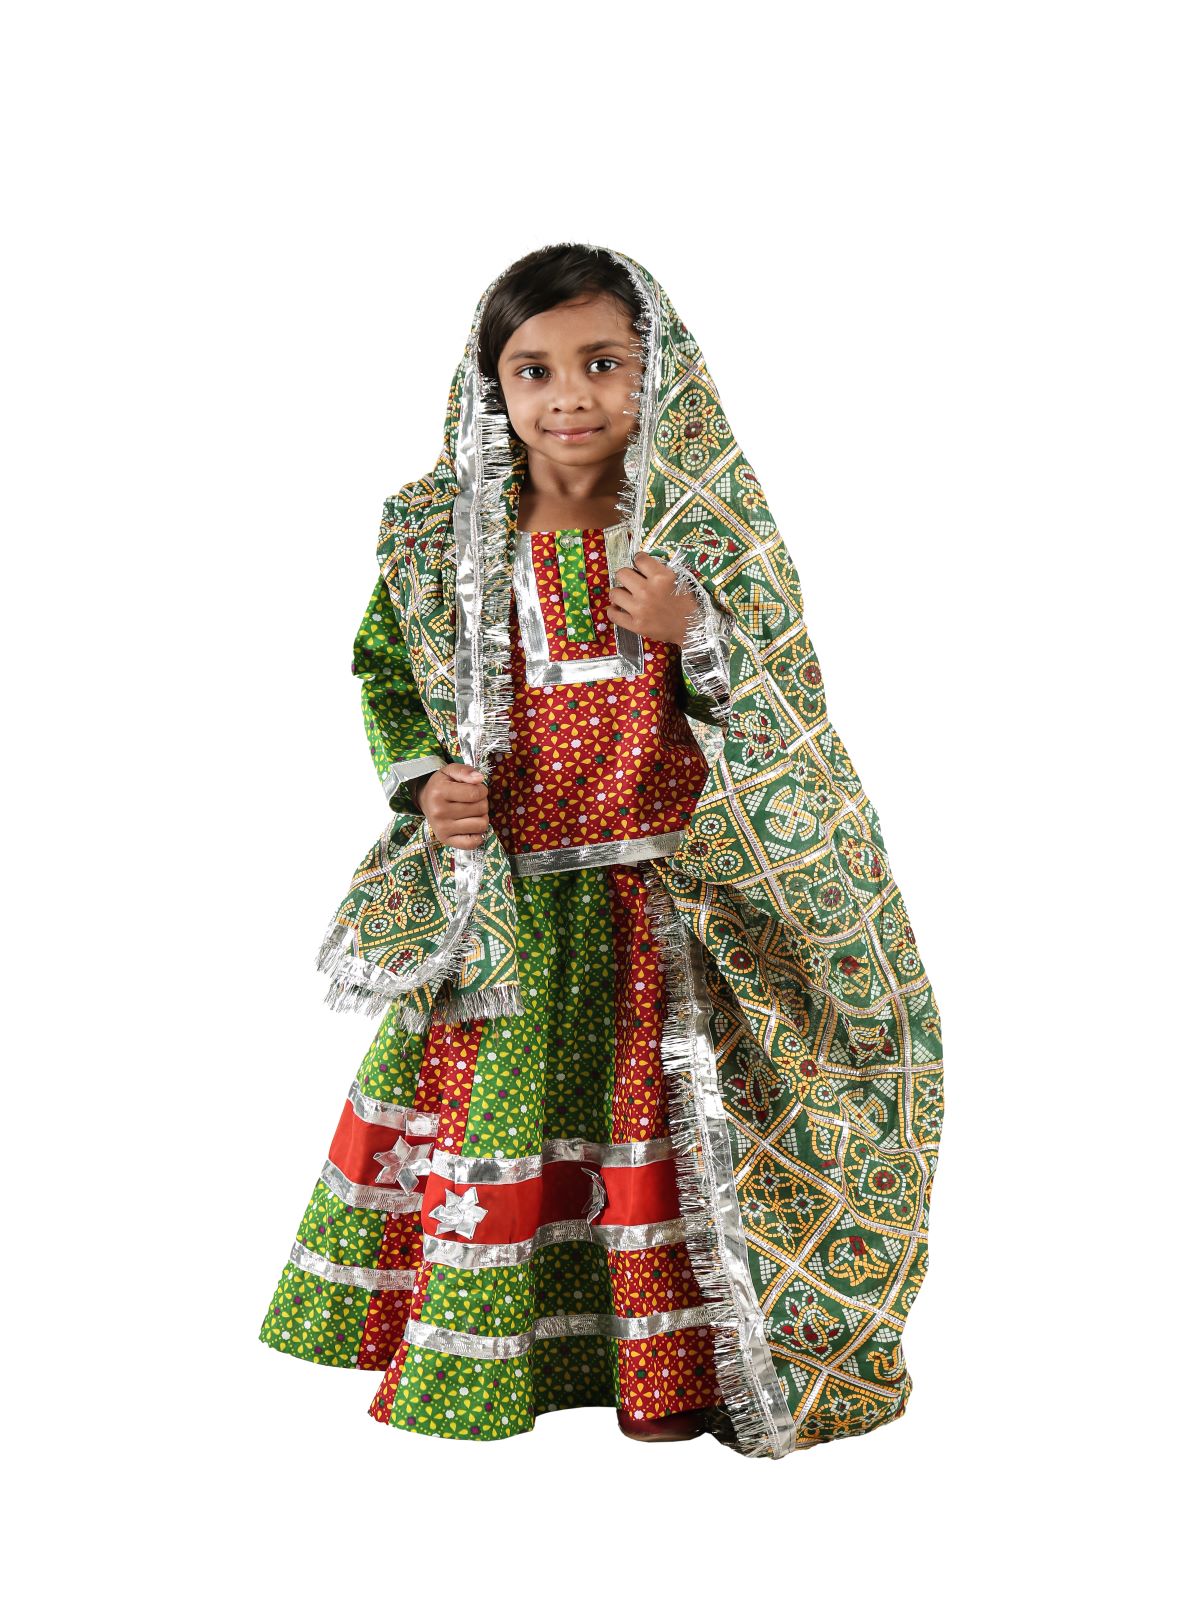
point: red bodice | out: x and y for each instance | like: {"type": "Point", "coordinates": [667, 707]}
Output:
{"type": "Point", "coordinates": [603, 766]}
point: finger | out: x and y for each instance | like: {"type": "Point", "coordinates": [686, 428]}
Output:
{"type": "Point", "coordinates": [647, 565]}
{"type": "Point", "coordinates": [472, 797]}
{"type": "Point", "coordinates": [464, 841]}
{"type": "Point", "coordinates": [634, 577]}
{"type": "Point", "coordinates": [619, 604]}
{"type": "Point", "coordinates": [461, 824]}
{"type": "Point", "coordinates": [463, 772]}
{"type": "Point", "coordinates": [661, 577]}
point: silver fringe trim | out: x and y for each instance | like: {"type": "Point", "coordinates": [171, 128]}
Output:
{"type": "Point", "coordinates": [482, 681]}
{"type": "Point", "coordinates": [502, 1000]}
{"type": "Point", "coordinates": [631, 499]}
{"type": "Point", "coordinates": [483, 699]}
{"type": "Point", "coordinates": [705, 648]}
{"type": "Point", "coordinates": [364, 987]}
{"type": "Point", "coordinates": [750, 1387]}
{"type": "Point", "coordinates": [357, 985]}
{"type": "Point", "coordinates": [503, 1347]}
{"type": "Point", "coordinates": [413, 1020]}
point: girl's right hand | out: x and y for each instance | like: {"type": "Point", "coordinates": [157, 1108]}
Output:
{"type": "Point", "coordinates": [454, 800]}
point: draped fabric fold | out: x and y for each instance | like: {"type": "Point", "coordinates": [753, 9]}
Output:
{"type": "Point", "coordinates": [824, 1027]}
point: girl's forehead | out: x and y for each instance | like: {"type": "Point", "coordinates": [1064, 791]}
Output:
{"type": "Point", "coordinates": [571, 326]}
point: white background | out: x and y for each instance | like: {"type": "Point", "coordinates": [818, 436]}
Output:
{"type": "Point", "coordinates": [942, 261]}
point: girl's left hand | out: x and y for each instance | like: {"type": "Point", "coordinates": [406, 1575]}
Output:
{"type": "Point", "coordinates": [643, 599]}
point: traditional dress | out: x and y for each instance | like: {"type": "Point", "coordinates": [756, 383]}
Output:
{"type": "Point", "coordinates": [652, 1113]}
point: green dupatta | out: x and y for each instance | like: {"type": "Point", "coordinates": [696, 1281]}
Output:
{"type": "Point", "coordinates": [803, 1041]}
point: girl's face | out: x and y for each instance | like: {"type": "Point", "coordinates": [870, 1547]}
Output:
{"type": "Point", "coordinates": [566, 376]}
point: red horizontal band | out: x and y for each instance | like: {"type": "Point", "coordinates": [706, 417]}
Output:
{"type": "Point", "coordinates": [356, 1141]}
{"type": "Point", "coordinates": [562, 1191]}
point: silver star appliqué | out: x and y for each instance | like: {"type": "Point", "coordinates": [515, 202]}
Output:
{"type": "Point", "coordinates": [404, 1163]}
{"type": "Point", "coordinates": [458, 1213]}
{"type": "Point", "coordinates": [598, 1198]}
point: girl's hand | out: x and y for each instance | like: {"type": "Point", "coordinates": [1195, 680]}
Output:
{"type": "Point", "coordinates": [643, 599]}
{"type": "Point", "coordinates": [455, 801]}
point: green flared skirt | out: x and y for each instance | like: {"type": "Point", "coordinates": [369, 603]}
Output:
{"type": "Point", "coordinates": [497, 1226]}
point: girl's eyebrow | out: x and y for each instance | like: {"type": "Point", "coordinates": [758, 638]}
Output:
{"type": "Point", "coordinates": [540, 355]}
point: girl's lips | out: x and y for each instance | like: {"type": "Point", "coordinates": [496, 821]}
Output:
{"type": "Point", "coordinates": [571, 433]}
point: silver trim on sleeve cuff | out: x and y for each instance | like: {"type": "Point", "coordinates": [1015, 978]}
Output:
{"type": "Point", "coordinates": [704, 654]}
{"type": "Point", "coordinates": [401, 771]}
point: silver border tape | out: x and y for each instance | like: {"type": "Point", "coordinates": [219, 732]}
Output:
{"type": "Point", "coordinates": [369, 1196]}
{"type": "Point", "coordinates": [627, 661]}
{"type": "Point", "coordinates": [463, 1169]}
{"type": "Point", "coordinates": [604, 853]}
{"type": "Point", "coordinates": [401, 771]}
{"type": "Point", "coordinates": [627, 1236]}
{"type": "Point", "coordinates": [373, 1278]}
{"type": "Point", "coordinates": [503, 1347]}
{"type": "Point", "coordinates": [390, 1114]}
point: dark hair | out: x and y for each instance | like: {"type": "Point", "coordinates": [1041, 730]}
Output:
{"type": "Point", "coordinates": [540, 281]}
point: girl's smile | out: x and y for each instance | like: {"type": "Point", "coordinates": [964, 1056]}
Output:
{"type": "Point", "coordinates": [569, 435]}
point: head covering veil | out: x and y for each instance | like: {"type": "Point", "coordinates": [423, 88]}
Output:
{"type": "Point", "coordinates": [803, 1041]}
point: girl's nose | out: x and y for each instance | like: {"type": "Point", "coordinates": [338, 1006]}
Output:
{"type": "Point", "coordinates": [568, 397]}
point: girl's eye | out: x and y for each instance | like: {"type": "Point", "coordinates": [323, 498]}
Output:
{"type": "Point", "coordinates": [537, 367]}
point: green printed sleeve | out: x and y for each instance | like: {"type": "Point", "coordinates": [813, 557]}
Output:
{"type": "Point", "coordinates": [403, 741]}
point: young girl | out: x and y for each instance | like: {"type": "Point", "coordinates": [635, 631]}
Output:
{"type": "Point", "coordinates": [652, 1115]}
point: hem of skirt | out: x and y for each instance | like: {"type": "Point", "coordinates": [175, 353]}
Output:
{"type": "Point", "coordinates": [528, 1426]}
{"type": "Point", "coordinates": [514, 1432]}
{"type": "Point", "coordinates": [331, 1360]}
